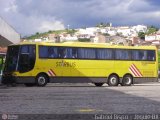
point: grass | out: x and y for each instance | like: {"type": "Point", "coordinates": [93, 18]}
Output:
{"type": "Point", "coordinates": [45, 34]}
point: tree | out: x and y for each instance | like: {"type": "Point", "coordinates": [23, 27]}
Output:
{"type": "Point", "coordinates": [37, 33]}
{"type": "Point", "coordinates": [106, 34]}
{"type": "Point", "coordinates": [49, 31]}
{"type": "Point", "coordinates": [102, 24]}
{"type": "Point", "coordinates": [141, 35]}
{"type": "Point", "coordinates": [151, 29]}
{"type": "Point", "coordinates": [72, 31]}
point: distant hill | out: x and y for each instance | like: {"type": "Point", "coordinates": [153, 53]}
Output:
{"type": "Point", "coordinates": [45, 34]}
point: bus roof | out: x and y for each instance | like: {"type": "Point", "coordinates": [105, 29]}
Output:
{"type": "Point", "coordinates": [85, 44]}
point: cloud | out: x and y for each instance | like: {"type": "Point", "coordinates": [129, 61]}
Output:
{"type": "Point", "coordinates": [31, 16]}
{"type": "Point", "coordinates": [27, 24]}
{"type": "Point", "coordinates": [143, 6]}
{"type": "Point", "coordinates": [46, 25]}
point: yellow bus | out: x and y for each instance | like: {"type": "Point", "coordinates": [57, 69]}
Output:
{"type": "Point", "coordinates": [73, 62]}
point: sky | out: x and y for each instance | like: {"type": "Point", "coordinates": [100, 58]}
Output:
{"type": "Point", "coordinates": [30, 16]}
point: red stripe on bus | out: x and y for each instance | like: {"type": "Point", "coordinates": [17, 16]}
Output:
{"type": "Point", "coordinates": [53, 72]}
{"type": "Point", "coordinates": [138, 70]}
{"type": "Point", "coordinates": [135, 70]}
{"type": "Point", "coordinates": [50, 73]}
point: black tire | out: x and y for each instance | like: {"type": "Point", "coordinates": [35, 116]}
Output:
{"type": "Point", "coordinates": [41, 80]}
{"type": "Point", "coordinates": [98, 84]}
{"type": "Point", "coordinates": [113, 80]}
{"type": "Point", "coordinates": [29, 84]}
{"type": "Point", "coordinates": [127, 80]}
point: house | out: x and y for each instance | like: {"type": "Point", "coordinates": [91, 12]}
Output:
{"type": "Point", "coordinates": [126, 32]}
{"type": "Point", "coordinates": [86, 33]}
{"type": "Point", "coordinates": [153, 38]}
{"type": "Point", "coordinates": [116, 40]}
{"type": "Point", "coordinates": [140, 28]}
{"type": "Point", "coordinates": [54, 37]}
{"type": "Point", "coordinates": [150, 37]}
{"type": "Point", "coordinates": [67, 37]}
{"type": "Point", "coordinates": [101, 38]}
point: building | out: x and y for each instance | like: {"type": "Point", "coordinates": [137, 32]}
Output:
{"type": "Point", "coordinates": [8, 35]}
{"type": "Point", "coordinates": [140, 28]}
{"type": "Point", "coordinates": [116, 40]}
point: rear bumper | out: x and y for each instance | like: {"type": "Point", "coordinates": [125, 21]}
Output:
{"type": "Point", "coordinates": [145, 80]}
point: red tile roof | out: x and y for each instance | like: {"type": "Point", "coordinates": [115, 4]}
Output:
{"type": "Point", "coordinates": [3, 49]}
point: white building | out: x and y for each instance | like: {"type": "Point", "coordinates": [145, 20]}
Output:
{"type": "Point", "coordinates": [152, 37]}
{"type": "Point", "coordinates": [126, 32]}
{"type": "Point", "coordinates": [158, 36]}
{"type": "Point", "coordinates": [112, 32]}
{"type": "Point", "coordinates": [140, 28]}
{"type": "Point", "coordinates": [70, 38]}
{"type": "Point", "coordinates": [86, 33]}
{"type": "Point", "coordinates": [7, 34]}
{"type": "Point", "coordinates": [92, 29]}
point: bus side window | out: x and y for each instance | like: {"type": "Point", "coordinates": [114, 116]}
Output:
{"type": "Point", "coordinates": [74, 53]}
{"type": "Point", "coordinates": [151, 55]}
{"type": "Point", "coordinates": [65, 53]}
{"type": "Point", "coordinates": [69, 53]}
{"type": "Point", "coordinates": [60, 52]}
{"type": "Point", "coordinates": [143, 55]}
{"type": "Point", "coordinates": [52, 51]}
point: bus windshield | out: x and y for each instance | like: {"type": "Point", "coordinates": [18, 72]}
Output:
{"type": "Point", "coordinates": [20, 58]}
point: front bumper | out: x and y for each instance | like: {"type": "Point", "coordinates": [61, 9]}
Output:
{"type": "Point", "coordinates": [8, 78]}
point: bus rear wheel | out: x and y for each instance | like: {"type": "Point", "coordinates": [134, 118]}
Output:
{"type": "Point", "coordinates": [98, 84]}
{"type": "Point", "coordinates": [41, 80]}
{"type": "Point", "coordinates": [113, 80]}
{"type": "Point", "coordinates": [127, 80]}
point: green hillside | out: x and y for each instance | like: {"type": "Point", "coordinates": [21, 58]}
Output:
{"type": "Point", "coordinates": [45, 34]}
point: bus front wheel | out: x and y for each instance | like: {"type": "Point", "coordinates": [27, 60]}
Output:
{"type": "Point", "coordinates": [127, 80]}
{"type": "Point", "coordinates": [41, 80]}
{"type": "Point", "coordinates": [113, 80]}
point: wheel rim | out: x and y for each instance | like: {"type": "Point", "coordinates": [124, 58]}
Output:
{"type": "Point", "coordinates": [128, 80]}
{"type": "Point", "coordinates": [41, 80]}
{"type": "Point", "coordinates": [113, 80]}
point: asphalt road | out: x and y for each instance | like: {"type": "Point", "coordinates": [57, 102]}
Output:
{"type": "Point", "coordinates": [80, 99]}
